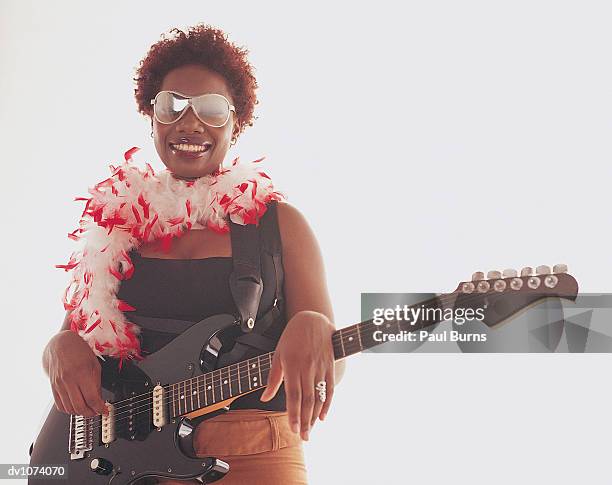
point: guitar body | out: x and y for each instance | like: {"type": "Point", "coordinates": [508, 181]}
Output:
{"type": "Point", "coordinates": [139, 449]}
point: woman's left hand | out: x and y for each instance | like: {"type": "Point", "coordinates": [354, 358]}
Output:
{"type": "Point", "coordinates": [303, 357]}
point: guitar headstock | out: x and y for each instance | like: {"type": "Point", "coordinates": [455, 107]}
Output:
{"type": "Point", "coordinates": [503, 294]}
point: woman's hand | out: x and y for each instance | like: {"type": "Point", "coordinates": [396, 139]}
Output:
{"type": "Point", "coordinates": [75, 375]}
{"type": "Point", "coordinates": [303, 357]}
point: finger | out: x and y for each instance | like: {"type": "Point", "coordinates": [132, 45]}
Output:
{"type": "Point", "coordinates": [78, 403]}
{"type": "Point", "coordinates": [308, 398]}
{"type": "Point", "coordinates": [275, 379]}
{"type": "Point", "coordinates": [92, 394]}
{"type": "Point", "coordinates": [293, 393]}
{"type": "Point", "coordinates": [318, 403]}
{"type": "Point", "coordinates": [329, 391]}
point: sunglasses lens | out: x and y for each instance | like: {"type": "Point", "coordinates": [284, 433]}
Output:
{"type": "Point", "coordinates": [168, 106]}
{"type": "Point", "coordinates": [212, 109]}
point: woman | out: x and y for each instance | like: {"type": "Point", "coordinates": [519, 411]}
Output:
{"type": "Point", "coordinates": [260, 437]}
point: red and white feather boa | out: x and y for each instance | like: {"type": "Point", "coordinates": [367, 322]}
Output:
{"type": "Point", "coordinates": [134, 207]}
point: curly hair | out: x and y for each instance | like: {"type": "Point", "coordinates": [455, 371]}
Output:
{"type": "Point", "coordinates": [207, 46]}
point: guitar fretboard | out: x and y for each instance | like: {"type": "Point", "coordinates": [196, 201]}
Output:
{"type": "Point", "coordinates": [219, 385]}
{"type": "Point", "coordinates": [249, 375]}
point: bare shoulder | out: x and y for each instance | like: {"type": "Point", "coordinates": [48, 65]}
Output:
{"type": "Point", "coordinates": [305, 281]}
{"type": "Point", "coordinates": [290, 220]}
{"type": "Point", "coordinates": [296, 233]}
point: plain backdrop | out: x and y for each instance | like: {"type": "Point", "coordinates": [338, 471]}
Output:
{"type": "Point", "coordinates": [422, 140]}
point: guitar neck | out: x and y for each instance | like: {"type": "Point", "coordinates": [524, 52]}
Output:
{"type": "Point", "coordinates": [249, 375]}
{"type": "Point", "coordinates": [365, 335]}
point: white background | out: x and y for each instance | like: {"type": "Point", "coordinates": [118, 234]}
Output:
{"type": "Point", "coordinates": [422, 142]}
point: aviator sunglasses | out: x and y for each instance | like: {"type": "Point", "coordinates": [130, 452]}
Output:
{"type": "Point", "coordinates": [211, 109]}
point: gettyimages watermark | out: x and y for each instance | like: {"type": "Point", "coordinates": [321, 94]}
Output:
{"type": "Point", "coordinates": [429, 323]}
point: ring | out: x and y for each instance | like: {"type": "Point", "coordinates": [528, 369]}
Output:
{"type": "Point", "coordinates": [320, 387]}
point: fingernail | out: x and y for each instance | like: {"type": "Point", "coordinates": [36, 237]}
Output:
{"type": "Point", "coordinates": [322, 418]}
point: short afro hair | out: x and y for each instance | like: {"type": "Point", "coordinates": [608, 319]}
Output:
{"type": "Point", "coordinates": [209, 47]}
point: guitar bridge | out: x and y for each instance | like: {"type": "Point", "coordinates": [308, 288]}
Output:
{"type": "Point", "coordinates": [80, 437]}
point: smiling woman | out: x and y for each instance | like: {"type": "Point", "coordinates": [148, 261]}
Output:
{"type": "Point", "coordinates": [174, 240]}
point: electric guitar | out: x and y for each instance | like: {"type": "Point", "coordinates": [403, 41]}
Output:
{"type": "Point", "coordinates": [152, 403]}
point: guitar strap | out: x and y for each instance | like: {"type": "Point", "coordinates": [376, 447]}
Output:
{"type": "Point", "coordinates": [247, 286]}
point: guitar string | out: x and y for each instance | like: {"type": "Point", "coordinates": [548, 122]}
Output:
{"type": "Point", "coordinates": [335, 339]}
{"type": "Point", "coordinates": [147, 407]}
{"type": "Point", "coordinates": [337, 336]}
{"type": "Point", "coordinates": [199, 385]}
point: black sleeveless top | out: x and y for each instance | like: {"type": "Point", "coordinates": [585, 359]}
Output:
{"type": "Point", "coordinates": [194, 289]}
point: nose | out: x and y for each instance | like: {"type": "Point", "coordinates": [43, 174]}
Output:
{"type": "Point", "coordinates": [189, 122]}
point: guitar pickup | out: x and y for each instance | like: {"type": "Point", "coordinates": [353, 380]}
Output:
{"type": "Point", "coordinates": [160, 416]}
{"type": "Point", "coordinates": [108, 425]}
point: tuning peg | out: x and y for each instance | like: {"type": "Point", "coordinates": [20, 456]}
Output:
{"type": "Point", "coordinates": [479, 275]}
{"type": "Point", "coordinates": [493, 275]}
{"type": "Point", "coordinates": [560, 268]}
{"type": "Point", "coordinates": [526, 271]}
{"type": "Point", "coordinates": [543, 269]}
{"type": "Point", "coordinates": [509, 273]}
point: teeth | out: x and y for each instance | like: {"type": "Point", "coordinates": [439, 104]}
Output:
{"type": "Point", "coordinates": [191, 148]}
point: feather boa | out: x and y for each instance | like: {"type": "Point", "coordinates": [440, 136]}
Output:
{"type": "Point", "coordinates": [134, 207]}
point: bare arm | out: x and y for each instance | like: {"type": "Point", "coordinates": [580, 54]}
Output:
{"type": "Point", "coordinates": [48, 348]}
{"type": "Point", "coordinates": [74, 373]}
{"type": "Point", "coordinates": [305, 280]}
{"type": "Point", "coordinates": [304, 357]}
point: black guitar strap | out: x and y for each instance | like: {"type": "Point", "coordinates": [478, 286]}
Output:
{"type": "Point", "coordinates": [247, 286]}
{"type": "Point", "coordinates": [245, 281]}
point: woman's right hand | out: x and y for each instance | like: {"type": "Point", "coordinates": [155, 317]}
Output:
{"type": "Point", "coordinates": [76, 375]}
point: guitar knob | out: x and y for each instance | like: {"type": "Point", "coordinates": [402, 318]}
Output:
{"type": "Point", "coordinates": [493, 275]}
{"type": "Point", "coordinates": [560, 268]}
{"type": "Point", "coordinates": [479, 275]}
{"type": "Point", "coordinates": [509, 273]}
{"type": "Point", "coordinates": [526, 271]}
{"type": "Point", "coordinates": [543, 269]}
{"type": "Point", "coordinates": [101, 466]}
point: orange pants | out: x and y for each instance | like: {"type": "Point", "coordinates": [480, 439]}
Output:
{"type": "Point", "coordinates": [259, 446]}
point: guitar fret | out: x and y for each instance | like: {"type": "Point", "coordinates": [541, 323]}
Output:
{"type": "Point", "coordinates": [253, 373]}
{"type": "Point", "coordinates": [245, 376]}
{"type": "Point", "coordinates": [263, 372]}
{"type": "Point", "coordinates": [189, 382]}
{"type": "Point", "coordinates": [216, 385]}
{"type": "Point", "coordinates": [208, 390]}
{"type": "Point", "coordinates": [350, 342]}
{"type": "Point", "coordinates": [342, 343]}
{"type": "Point", "coordinates": [225, 385]}
{"type": "Point", "coordinates": [248, 365]}
{"type": "Point", "coordinates": [266, 371]}
{"type": "Point", "coordinates": [259, 369]}
{"type": "Point", "coordinates": [198, 391]}
{"type": "Point", "coordinates": [367, 333]}
{"type": "Point", "coordinates": [234, 380]}
{"type": "Point", "coordinates": [239, 379]}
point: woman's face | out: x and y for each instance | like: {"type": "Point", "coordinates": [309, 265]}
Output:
{"type": "Point", "coordinates": [193, 80]}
